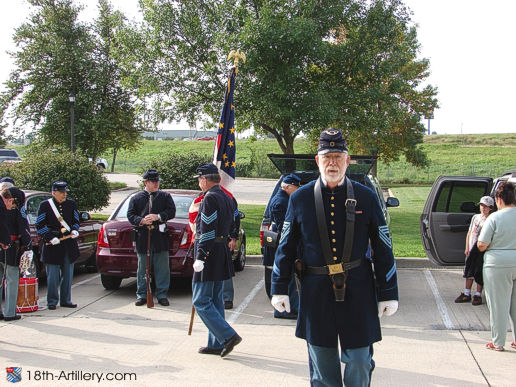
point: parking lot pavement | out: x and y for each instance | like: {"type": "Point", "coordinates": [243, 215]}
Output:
{"type": "Point", "coordinates": [431, 341]}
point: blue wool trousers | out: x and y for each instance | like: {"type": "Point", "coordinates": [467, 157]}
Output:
{"type": "Point", "coordinates": [325, 368]}
{"type": "Point", "coordinates": [208, 302]}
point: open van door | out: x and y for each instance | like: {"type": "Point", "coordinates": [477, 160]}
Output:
{"type": "Point", "coordinates": [447, 214]}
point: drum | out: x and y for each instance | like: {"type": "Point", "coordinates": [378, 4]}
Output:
{"type": "Point", "coordinates": [27, 295]}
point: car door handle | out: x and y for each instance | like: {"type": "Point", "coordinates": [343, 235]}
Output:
{"type": "Point", "coordinates": [454, 227]}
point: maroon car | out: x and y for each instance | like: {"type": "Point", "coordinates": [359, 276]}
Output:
{"type": "Point", "coordinates": [88, 232]}
{"type": "Point", "coordinates": [116, 254]}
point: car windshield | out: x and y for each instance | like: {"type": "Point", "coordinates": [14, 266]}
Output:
{"type": "Point", "coordinates": [182, 204]}
{"type": "Point", "coordinates": [8, 153]}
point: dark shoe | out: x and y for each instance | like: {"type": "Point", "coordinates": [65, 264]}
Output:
{"type": "Point", "coordinates": [140, 302]}
{"type": "Point", "coordinates": [1, 316]}
{"type": "Point", "coordinates": [477, 300]}
{"type": "Point", "coordinates": [288, 316]}
{"type": "Point", "coordinates": [51, 307]}
{"type": "Point", "coordinates": [462, 298]}
{"type": "Point", "coordinates": [209, 351]}
{"type": "Point", "coordinates": [163, 301]}
{"type": "Point", "coordinates": [15, 317]}
{"type": "Point", "coordinates": [230, 344]}
{"type": "Point", "coordinates": [70, 305]}
{"type": "Point", "coordinates": [228, 304]}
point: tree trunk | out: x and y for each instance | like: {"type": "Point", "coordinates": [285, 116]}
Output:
{"type": "Point", "coordinates": [114, 159]}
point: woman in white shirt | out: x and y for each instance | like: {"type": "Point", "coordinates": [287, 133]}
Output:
{"type": "Point", "coordinates": [498, 240]}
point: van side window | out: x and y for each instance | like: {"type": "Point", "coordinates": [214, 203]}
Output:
{"type": "Point", "coordinates": [453, 194]}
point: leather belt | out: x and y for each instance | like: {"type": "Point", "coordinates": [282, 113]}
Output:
{"type": "Point", "coordinates": [333, 269]}
{"type": "Point", "coordinates": [219, 239]}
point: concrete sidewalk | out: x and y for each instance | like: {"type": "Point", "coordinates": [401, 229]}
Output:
{"type": "Point", "coordinates": [107, 334]}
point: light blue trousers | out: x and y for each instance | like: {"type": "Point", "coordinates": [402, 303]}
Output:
{"type": "Point", "coordinates": [161, 264]}
{"type": "Point", "coordinates": [500, 288]}
{"type": "Point", "coordinates": [325, 369]}
{"type": "Point", "coordinates": [228, 291]}
{"type": "Point", "coordinates": [59, 282]}
{"type": "Point", "coordinates": [208, 303]}
{"type": "Point", "coordinates": [12, 274]}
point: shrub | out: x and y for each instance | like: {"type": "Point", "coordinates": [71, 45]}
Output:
{"type": "Point", "coordinates": [41, 167]}
{"type": "Point", "coordinates": [176, 170]}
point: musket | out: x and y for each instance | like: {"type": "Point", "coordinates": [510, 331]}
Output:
{"type": "Point", "coordinates": [150, 301]}
{"type": "Point", "coordinates": [192, 315]}
{"type": "Point", "coordinates": [61, 239]}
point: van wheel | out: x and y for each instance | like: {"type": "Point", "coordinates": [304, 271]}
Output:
{"type": "Point", "coordinates": [239, 262]}
{"type": "Point", "coordinates": [110, 282]}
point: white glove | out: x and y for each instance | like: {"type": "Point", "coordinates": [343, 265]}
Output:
{"type": "Point", "coordinates": [387, 308]}
{"type": "Point", "coordinates": [198, 265]}
{"type": "Point", "coordinates": [74, 234]}
{"type": "Point", "coordinates": [55, 241]}
{"type": "Point", "coordinates": [281, 303]}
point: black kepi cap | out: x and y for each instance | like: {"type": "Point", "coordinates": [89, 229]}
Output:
{"type": "Point", "coordinates": [331, 140]}
{"type": "Point", "coordinates": [292, 179]}
{"type": "Point", "coordinates": [60, 186]}
{"type": "Point", "coordinates": [18, 195]}
{"type": "Point", "coordinates": [206, 169]}
{"type": "Point", "coordinates": [7, 179]}
{"type": "Point", "coordinates": [151, 175]}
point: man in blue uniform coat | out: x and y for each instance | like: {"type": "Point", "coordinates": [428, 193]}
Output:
{"type": "Point", "coordinates": [278, 210]}
{"type": "Point", "coordinates": [20, 238]}
{"type": "Point", "coordinates": [339, 301]}
{"type": "Point", "coordinates": [151, 209]}
{"type": "Point", "coordinates": [7, 272]}
{"type": "Point", "coordinates": [213, 262]}
{"type": "Point", "coordinates": [58, 224]}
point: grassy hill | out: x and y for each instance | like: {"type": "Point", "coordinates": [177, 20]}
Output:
{"type": "Point", "coordinates": [472, 154]}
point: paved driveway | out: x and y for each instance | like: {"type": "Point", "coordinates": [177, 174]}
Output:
{"type": "Point", "coordinates": [430, 341]}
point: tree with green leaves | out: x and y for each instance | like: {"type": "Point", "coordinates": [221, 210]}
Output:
{"type": "Point", "coordinates": [58, 55]}
{"type": "Point", "coordinates": [379, 81]}
{"type": "Point", "coordinates": [310, 65]}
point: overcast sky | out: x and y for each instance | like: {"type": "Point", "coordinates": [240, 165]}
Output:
{"type": "Point", "coordinates": [470, 44]}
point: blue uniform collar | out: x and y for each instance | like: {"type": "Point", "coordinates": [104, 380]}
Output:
{"type": "Point", "coordinates": [339, 187]}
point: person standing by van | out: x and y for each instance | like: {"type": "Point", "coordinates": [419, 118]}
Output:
{"type": "Point", "coordinates": [475, 258]}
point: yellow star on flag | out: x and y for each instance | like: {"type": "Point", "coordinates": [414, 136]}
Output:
{"type": "Point", "coordinates": [232, 130]}
{"type": "Point", "coordinates": [233, 164]}
{"type": "Point", "coordinates": [226, 163]}
{"type": "Point", "coordinates": [221, 125]}
{"type": "Point", "coordinates": [231, 143]}
{"type": "Point", "coordinates": [232, 107]}
{"type": "Point", "coordinates": [224, 156]}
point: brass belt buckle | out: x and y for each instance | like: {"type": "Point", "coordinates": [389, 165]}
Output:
{"type": "Point", "coordinates": [335, 269]}
{"type": "Point", "coordinates": [352, 201]}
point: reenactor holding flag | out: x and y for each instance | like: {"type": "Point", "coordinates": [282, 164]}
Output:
{"type": "Point", "coordinates": [58, 224]}
{"type": "Point", "coordinates": [213, 263]}
{"type": "Point", "coordinates": [149, 210]}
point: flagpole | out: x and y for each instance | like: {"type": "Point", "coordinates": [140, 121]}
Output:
{"type": "Point", "coordinates": [225, 146]}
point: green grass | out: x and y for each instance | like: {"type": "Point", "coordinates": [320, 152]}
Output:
{"type": "Point", "coordinates": [251, 225]}
{"type": "Point", "coordinates": [406, 238]}
{"type": "Point", "coordinates": [101, 217]}
{"type": "Point", "coordinates": [116, 185]}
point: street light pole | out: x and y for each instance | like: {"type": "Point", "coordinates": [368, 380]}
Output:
{"type": "Point", "coordinates": [71, 98]}
{"type": "Point", "coordinates": [429, 117]}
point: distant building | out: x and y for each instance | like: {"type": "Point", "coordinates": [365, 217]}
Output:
{"type": "Point", "coordinates": [178, 134]}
